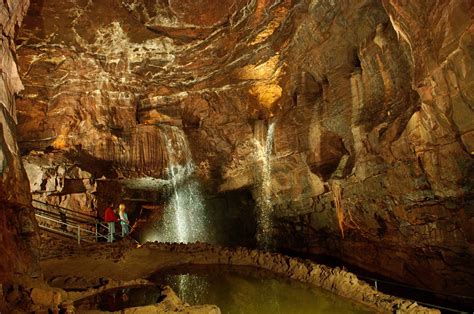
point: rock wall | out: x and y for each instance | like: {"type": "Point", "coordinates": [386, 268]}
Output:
{"type": "Point", "coordinates": [383, 115]}
{"type": "Point", "coordinates": [55, 180]}
{"type": "Point", "coordinates": [19, 240]}
{"type": "Point", "coordinates": [373, 105]}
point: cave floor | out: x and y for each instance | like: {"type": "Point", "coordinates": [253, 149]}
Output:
{"type": "Point", "coordinates": [119, 260]}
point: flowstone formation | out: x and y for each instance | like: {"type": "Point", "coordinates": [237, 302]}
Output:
{"type": "Point", "coordinates": [373, 150]}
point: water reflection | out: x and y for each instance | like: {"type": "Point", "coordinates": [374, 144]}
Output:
{"type": "Point", "coordinates": [248, 290]}
{"type": "Point", "coordinates": [119, 299]}
{"type": "Point", "coordinates": [189, 288]}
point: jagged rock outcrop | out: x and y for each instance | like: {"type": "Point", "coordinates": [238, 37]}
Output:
{"type": "Point", "coordinates": [373, 154]}
{"type": "Point", "coordinates": [18, 229]}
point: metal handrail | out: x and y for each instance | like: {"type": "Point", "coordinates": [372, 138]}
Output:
{"type": "Point", "coordinates": [73, 212]}
{"type": "Point", "coordinates": [64, 216]}
{"type": "Point", "coordinates": [376, 281]}
{"type": "Point", "coordinates": [59, 215]}
{"type": "Point", "coordinates": [89, 234]}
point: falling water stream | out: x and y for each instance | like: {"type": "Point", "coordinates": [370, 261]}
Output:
{"type": "Point", "coordinates": [184, 218]}
{"type": "Point", "coordinates": [264, 199]}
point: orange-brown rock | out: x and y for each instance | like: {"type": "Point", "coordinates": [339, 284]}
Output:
{"type": "Point", "coordinates": [19, 239]}
{"type": "Point", "coordinates": [372, 97]}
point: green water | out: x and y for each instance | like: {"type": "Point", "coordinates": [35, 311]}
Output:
{"type": "Point", "coordinates": [245, 290]}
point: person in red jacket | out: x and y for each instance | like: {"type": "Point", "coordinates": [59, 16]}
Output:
{"type": "Point", "coordinates": [110, 218]}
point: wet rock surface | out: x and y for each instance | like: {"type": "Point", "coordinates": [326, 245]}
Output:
{"type": "Point", "coordinates": [373, 106]}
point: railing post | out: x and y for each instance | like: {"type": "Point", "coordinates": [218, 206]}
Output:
{"type": "Point", "coordinates": [96, 230]}
{"type": "Point", "coordinates": [376, 285]}
{"type": "Point", "coordinates": [78, 234]}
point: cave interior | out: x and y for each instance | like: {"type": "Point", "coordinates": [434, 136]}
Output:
{"type": "Point", "coordinates": [339, 132]}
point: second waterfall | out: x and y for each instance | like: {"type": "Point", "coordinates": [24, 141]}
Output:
{"type": "Point", "coordinates": [184, 219]}
{"type": "Point", "coordinates": [264, 198]}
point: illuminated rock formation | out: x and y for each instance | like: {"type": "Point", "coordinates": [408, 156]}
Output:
{"type": "Point", "coordinates": [373, 100]}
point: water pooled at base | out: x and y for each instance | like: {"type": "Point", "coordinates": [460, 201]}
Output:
{"type": "Point", "coordinates": [237, 290]}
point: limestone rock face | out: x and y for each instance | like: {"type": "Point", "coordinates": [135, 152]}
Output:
{"type": "Point", "coordinates": [407, 179]}
{"type": "Point", "coordinates": [377, 111]}
{"type": "Point", "coordinates": [103, 87]}
{"type": "Point", "coordinates": [57, 181]}
{"type": "Point", "coordinates": [18, 230]}
{"type": "Point", "coordinates": [373, 146]}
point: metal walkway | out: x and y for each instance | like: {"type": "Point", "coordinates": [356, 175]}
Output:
{"type": "Point", "coordinates": [70, 223]}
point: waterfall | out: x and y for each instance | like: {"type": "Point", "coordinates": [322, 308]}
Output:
{"type": "Point", "coordinates": [264, 198]}
{"type": "Point", "coordinates": [184, 218]}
